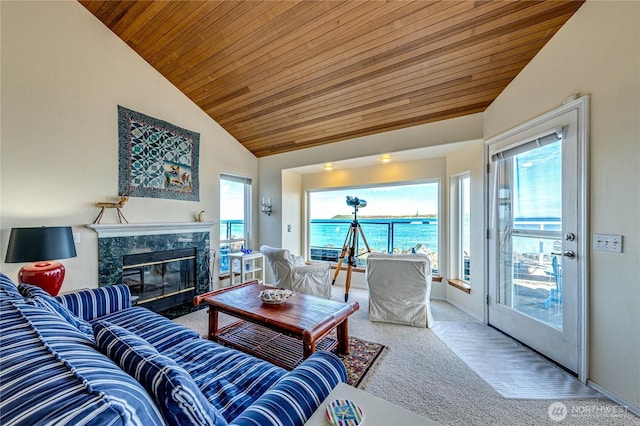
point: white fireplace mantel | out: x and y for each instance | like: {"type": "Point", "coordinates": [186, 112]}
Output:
{"type": "Point", "coordinates": [132, 229]}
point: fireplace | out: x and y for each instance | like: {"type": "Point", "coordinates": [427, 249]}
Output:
{"type": "Point", "coordinates": [164, 265]}
{"type": "Point", "coordinates": [161, 279]}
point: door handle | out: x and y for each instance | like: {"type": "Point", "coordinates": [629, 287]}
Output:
{"type": "Point", "coordinates": [569, 253]}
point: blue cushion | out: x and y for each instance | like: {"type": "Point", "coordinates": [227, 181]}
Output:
{"type": "Point", "coordinates": [52, 374]}
{"type": "Point", "coordinates": [298, 394]}
{"type": "Point", "coordinates": [8, 288]}
{"type": "Point", "coordinates": [231, 380]}
{"type": "Point", "coordinates": [43, 299]}
{"type": "Point", "coordinates": [157, 330]}
{"type": "Point", "coordinates": [97, 302]}
{"type": "Point", "coordinates": [177, 395]}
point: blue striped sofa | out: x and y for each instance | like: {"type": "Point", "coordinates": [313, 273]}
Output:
{"type": "Point", "coordinates": [90, 358]}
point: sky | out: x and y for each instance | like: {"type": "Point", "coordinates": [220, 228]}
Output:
{"type": "Point", "coordinates": [231, 200]}
{"type": "Point", "coordinates": [383, 200]}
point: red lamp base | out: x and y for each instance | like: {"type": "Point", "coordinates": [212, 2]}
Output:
{"type": "Point", "coordinates": [46, 275]}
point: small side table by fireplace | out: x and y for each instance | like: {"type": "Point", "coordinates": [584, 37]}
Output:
{"type": "Point", "coordinates": [246, 267]}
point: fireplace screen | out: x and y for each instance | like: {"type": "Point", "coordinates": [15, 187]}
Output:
{"type": "Point", "coordinates": [160, 274]}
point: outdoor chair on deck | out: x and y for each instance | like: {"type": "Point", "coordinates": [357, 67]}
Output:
{"type": "Point", "coordinates": [555, 294]}
{"type": "Point", "coordinates": [292, 273]}
{"type": "Point", "coordinates": [399, 289]}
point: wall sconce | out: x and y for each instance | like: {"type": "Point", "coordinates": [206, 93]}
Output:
{"type": "Point", "coordinates": [265, 206]}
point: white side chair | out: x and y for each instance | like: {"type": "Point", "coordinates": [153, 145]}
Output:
{"type": "Point", "coordinates": [399, 289]}
{"type": "Point", "coordinates": [292, 273]}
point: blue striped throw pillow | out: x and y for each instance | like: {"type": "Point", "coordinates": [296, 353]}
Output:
{"type": "Point", "coordinates": [8, 288]}
{"type": "Point", "coordinates": [41, 298]}
{"type": "Point", "coordinates": [179, 398]}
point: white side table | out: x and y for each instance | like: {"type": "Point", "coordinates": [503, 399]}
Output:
{"type": "Point", "coordinates": [246, 267]}
{"type": "Point", "coordinates": [376, 411]}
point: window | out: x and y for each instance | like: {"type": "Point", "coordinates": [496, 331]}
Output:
{"type": "Point", "coordinates": [235, 212]}
{"type": "Point", "coordinates": [397, 219]}
{"type": "Point", "coordinates": [461, 221]}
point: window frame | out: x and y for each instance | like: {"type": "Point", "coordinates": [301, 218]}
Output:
{"type": "Point", "coordinates": [354, 189]}
{"type": "Point", "coordinates": [457, 208]}
{"type": "Point", "coordinates": [247, 207]}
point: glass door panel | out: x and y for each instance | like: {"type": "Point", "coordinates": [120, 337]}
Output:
{"type": "Point", "coordinates": [530, 231]}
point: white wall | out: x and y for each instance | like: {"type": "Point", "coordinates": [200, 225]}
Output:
{"type": "Point", "coordinates": [291, 187]}
{"type": "Point", "coordinates": [433, 134]}
{"type": "Point", "coordinates": [462, 161]}
{"type": "Point", "coordinates": [63, 75]}
{"type": "Point", "coordinates": [598, 53]}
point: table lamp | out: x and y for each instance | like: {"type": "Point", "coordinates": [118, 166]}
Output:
{"type": "Point", "coordinates": [41, 245]}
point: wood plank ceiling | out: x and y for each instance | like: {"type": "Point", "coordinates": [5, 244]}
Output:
{"type": "Point", "coordinates": [287, 75]}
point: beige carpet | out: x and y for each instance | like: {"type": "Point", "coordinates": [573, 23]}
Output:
{"type": "Point", "coordinates": [420, 373]}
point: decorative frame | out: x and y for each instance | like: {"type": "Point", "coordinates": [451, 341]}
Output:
{"type": "Point", "coordinates": [156, 159]}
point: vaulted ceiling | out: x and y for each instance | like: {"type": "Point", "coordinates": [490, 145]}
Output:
{"type": "Point", "coordinates": [286, 75]}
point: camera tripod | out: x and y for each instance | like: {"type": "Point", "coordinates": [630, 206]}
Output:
{"type": "Point", "coordinates": [349, 248]}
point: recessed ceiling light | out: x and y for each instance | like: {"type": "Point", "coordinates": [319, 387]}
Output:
{"type": "Point", "coordinates": [328, 166]}
{"type": "Point", "coordinates": [385, 158]}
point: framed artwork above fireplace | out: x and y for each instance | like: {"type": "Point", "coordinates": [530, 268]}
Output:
{"type": "Point", "coordinates": [156, 159]}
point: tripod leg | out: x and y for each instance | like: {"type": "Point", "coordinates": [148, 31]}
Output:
{"type": "Point", "coordinates": [351, 262]}
{"type": "Point", "coordinates": [364, 239]}
{"type": "Point", "coordinates": [347, 283]}
{"type": "Point", "coordinates": [337, 272]}
{"type": "Point", "coordinates": [343, 253]}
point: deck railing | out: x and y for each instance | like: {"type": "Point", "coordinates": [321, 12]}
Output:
{"type": "Point", "coordinates": [328, 237]}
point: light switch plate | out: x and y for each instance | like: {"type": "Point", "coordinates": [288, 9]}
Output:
{"type": "Point", "coordinates": [607, 242]}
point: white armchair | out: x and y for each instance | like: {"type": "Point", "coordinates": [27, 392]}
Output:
{"type": "Point", "coordinates": [399, 288]}
{"type": "Point", "coordinates": [292, 273]}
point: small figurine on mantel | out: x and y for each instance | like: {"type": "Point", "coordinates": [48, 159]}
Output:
{"type": "Point", "coordinates": [200, 217]}
{"type": "Point", "coordinates": [120, 204]}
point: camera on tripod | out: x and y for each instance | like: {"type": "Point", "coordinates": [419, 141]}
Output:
{"type": "Point", "coordinates": [350, 248]}
{"type": "Point", "coordinates": [356, 202]}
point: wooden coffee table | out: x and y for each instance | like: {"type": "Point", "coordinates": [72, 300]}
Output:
{"type": "Point", "coordinates": [308, 318]}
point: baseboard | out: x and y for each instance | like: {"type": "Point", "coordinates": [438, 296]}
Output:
{"type": "Point", "coordinates": [632, 408]}
{"type": "Point", "coordinates": [472, 314]}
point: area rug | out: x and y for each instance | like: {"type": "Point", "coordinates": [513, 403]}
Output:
{"type": "Point", "coordinates": [360, 362]}
{"type": "Point", "coordinates": [362, 359]}
{"type": "Point", "coordinates": [513, 370]}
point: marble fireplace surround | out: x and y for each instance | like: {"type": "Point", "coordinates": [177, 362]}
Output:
{"type": "Point", "coordinates": [118, 240]}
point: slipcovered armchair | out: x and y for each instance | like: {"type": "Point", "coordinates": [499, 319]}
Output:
{"type": "Point", "coordinates": [399, 288]}
{"type": "Point", "coordinates": [292, 273]}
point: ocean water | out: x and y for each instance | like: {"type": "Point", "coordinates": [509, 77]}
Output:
{"type": "Point", "coordinates": [387, 235]}
{"type": "Point", "coordinates": [403, 235]}
{"type": "Point", "coordinates": [395, 235]}
{"type": "Point", "coordinates": [382, 235]}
